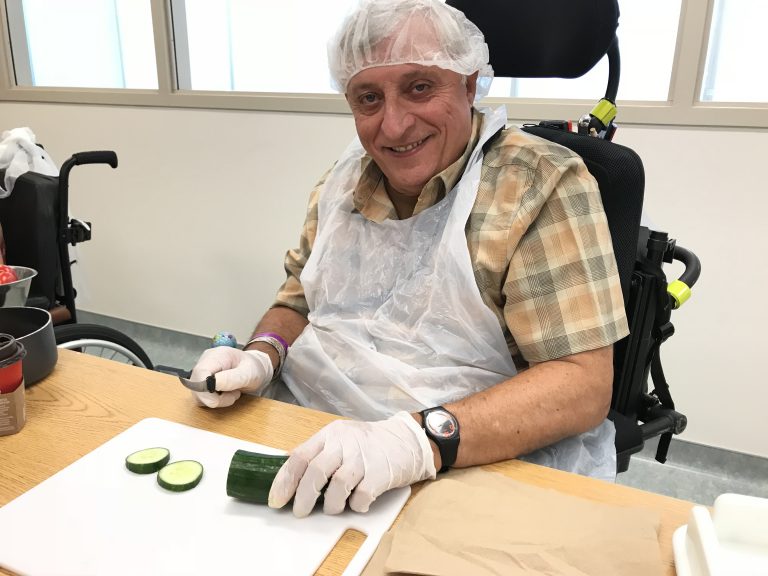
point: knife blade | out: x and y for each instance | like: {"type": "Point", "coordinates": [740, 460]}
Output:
{"type": "Point", "coordinates": [207, 385]}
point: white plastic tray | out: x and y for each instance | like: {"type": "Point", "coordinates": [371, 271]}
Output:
{"type": "Point", "coordinates": [733, 540]}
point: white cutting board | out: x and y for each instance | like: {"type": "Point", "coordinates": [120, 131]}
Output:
{"type": "Point", "coordinates": [96, 517]}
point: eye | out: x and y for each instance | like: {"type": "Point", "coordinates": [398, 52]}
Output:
{"type": "Point", "coordinates": [368, 98]}
{"type": "Point", "coordinates": [421, 89]}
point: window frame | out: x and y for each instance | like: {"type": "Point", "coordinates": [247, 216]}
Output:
{"type": "Point", "coordinates": [683, 107]}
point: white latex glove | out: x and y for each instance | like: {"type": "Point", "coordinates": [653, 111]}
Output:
{"type": "Point", "coordinates": [363, 459]}
{"type": "Point", "coordinates": [236, 372]}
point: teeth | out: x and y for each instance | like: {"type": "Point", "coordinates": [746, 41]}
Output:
{"type": "Point", "coordinates": [406, 148]}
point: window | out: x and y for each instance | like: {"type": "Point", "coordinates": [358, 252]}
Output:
{"type": "Point", "coordinates": [683, 62]}
{"type": "Point", "coordinates": [242, 45]}
{"type": "Point", "coordinates": [737, 36]}
{"type": "Point", "coordinates": [83, 43]}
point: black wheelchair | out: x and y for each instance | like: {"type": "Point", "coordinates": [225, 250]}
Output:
{"type": "Point", "coordinates": [38, 232]}
{"type": "Point", "coordinates": [566, 39]}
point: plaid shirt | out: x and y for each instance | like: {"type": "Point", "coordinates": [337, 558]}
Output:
{"type": "Point", "coordinates": [538, 240]}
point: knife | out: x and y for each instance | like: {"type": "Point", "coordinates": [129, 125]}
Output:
{"type": "Point", "coordinates": [207, 385]}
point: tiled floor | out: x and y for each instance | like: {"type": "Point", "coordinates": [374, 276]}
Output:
{"type": "Point", "coordinates": [692, 472]}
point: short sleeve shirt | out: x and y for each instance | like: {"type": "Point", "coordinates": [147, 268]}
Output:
{"type": "Point", "coordinates": [538, 241]}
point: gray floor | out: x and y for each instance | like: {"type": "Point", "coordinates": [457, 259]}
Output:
{"type": "Point", "coordinates": [692, 472]}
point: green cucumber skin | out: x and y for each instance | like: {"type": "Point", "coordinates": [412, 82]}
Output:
{"type": "Point", "coordinates": [147, 467]}
{"type": "Point", "coordinates": [180, 487]}
{"type": "Point", "coordinates": [251, 474]}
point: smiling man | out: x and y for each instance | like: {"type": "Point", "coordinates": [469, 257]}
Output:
{"type": "Point", "coordinates": [454, 292]}
{"type": "Point", "coordinates": [414, 122]}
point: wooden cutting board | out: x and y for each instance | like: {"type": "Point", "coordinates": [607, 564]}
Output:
{"type": "Point", "coordinates": [95, 517]}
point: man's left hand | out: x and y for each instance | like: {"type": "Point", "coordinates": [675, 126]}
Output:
{"type": "Point", "coordinates": [362, 461]}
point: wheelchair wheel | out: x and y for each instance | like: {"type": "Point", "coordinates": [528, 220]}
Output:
{"type": "Point", "coordinates": [101, 341]}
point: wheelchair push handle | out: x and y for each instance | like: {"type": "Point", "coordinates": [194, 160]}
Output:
{"type": "Point", "coordinates": [95, 157]}
{"type": "Point", "coordinates": [80, 158]}
{"type": "Point", "coordinates": [74, 231]}
{"type": "Point", "coordinates": [77, 159]}
{"type": "Point", "coordinates": [680, 289]}
{"type": "Point", "coordinates": [692, 265]}
{"type": "Point", "coordinates": [661, 248]}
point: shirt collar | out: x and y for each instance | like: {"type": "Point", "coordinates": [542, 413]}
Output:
{"type": "Point", "coordinates": [370, 196]}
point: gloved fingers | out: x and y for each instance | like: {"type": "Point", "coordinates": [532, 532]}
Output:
{"type": "Point", "coordinates": [319, 470]}
{"type": "Point", "coordinates": [365, 494]}
{"type": "Point", "coordinates": [252, 372]}
{"type": "Point", "coordinates": [234, 369]}
{"type": "Point", "coordinates": [214, 400]}
{"type": "Point", "coordinates": [406, 458]}
{"type": "Point", "coordinates": [361, 459]}
{"type": "Point", "coordinates": [212, 361]}
{"type": "Point", "coordinates": [238, 378]}
{"type": "Point", "coordinates": [287, 479]}
{"type": "Point", "coordinates": [346, 478]}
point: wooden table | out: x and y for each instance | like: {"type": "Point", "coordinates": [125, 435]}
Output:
{"type": "Point", "coordinates": [87, 401]}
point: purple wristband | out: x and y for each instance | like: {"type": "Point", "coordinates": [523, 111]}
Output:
{"type": "Point", "coordinates": [272, 335]}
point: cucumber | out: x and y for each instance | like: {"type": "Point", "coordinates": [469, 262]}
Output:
{"type": "Point", "coordinates": [251, 474]}
{"type": "Point", "coordinates": [148, 460]}
{"type": "Point", "coordinates": [180, 476]}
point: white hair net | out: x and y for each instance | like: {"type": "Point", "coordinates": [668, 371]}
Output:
{"type": "Point", "coordinates": [426, 32]}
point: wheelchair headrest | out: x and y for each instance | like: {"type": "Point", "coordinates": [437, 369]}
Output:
{"type": "Point", "coordinates": [543, 38]}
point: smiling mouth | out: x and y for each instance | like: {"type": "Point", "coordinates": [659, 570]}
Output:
{"type": "Point", "coordinates": [407, 147]}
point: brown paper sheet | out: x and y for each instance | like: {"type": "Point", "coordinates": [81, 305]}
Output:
{"type": "Point", "coordinates": [479, 523]}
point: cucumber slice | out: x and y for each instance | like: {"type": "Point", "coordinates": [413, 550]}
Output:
{"type": "Point", "coordinates": [180, 476]}
{"type": "Point", "coordinates": [148, 460]}
{"type": "Point", "coordinates": [251, 474]}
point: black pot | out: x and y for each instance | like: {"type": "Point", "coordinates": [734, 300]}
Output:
{"type": "Point", "coordinates": [34, 329]}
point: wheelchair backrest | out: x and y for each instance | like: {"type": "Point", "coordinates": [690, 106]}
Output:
{"type": "Point", "coordinates": [30, 221]}
{"type": "Point", "coordinates": [621, 178]}
{"type": "Point", "coordinates": [543, 38]}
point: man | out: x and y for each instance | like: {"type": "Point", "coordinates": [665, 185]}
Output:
{"type": "Point", "coordinates": [455, 290]}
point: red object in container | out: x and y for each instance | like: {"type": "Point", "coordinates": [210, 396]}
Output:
{"type": "Point", "coordinates": [11, 354]}
{"type": "Point", "coordinates": [7, 274]}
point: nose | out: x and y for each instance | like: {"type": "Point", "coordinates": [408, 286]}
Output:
{"type": "Point", "coordinates": [396, 120]}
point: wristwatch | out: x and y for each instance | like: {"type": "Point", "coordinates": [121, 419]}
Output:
{"type": "Point", "coordinates": [442, 428]}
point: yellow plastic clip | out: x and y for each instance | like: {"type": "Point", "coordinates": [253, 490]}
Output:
{"type": "Point", "coordinates": [605, 111]}
{"type": "Point", "coordinates": [679, 292]}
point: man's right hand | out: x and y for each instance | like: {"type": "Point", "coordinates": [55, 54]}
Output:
{"type": "Point", "coordinates": [236, 372]}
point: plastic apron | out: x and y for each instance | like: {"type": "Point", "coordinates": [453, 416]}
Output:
{"type": "Point", "coordinates": [396, 318]}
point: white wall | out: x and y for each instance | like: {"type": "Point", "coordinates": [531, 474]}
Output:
{"type": "Point", "coordinates": [191, 229]}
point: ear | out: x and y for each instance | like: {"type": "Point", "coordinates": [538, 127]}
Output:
{"type": "Point", "coordinates": [472, 87]}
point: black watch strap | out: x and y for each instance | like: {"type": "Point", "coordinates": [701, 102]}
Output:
{"type": "Point", "coordinates": [443, 430]}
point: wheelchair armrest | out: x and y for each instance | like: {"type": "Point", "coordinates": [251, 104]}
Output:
{"type": "Point", "coordinates": [631, 435]}
{"type": "Point", "coordinates": [659, 420]}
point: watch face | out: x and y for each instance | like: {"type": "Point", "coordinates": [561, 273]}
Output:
{"type": "Point", "coordinates": [441, 424]}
